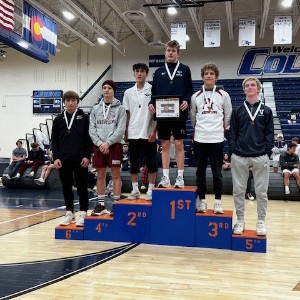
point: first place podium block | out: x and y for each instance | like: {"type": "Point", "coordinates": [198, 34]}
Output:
{"type": "Point", "coordinates": [99, 228]}
{"type": "Point", "coordinates": [173, 216]}
{"type": "Point", "coordinates": [249, 242]}
{"type": "Point", "coordinates": [69, 232]}
{"type": "Point", "coordinates": [214, 230]}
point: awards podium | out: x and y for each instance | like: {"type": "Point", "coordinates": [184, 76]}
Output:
{"type": "Point", "coordinates": [169, 219]}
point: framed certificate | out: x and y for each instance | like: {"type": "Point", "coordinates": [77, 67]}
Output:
{"type": "Point", "coordinates": [167, 108]}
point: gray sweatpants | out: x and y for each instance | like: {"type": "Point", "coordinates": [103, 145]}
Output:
{"type": "Point", "coordinates": [240, 172]}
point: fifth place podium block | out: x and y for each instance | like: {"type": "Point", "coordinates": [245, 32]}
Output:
{"type": "Point", "coordinates": [169, 219]}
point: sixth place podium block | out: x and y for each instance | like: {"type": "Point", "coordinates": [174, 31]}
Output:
{"type": "Point", "coordinates": [169, 219]}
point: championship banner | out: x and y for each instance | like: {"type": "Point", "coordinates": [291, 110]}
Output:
{"type": "Point", "coordinates": [39, 29]}
{"type": "Point", "coordinates": [178, 33]}
{"type": "Point", "coordinates": [212, 33]}
{"type": "Point", "coordinates": [283, 30]}
{"type": "Point", "coordinates": [246, 32]}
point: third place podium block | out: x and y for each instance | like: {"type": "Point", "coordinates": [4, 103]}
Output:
{"type": "Point", "coordinates": [214, 230]}
{"type": "Point", "coordinates": [173, 216]}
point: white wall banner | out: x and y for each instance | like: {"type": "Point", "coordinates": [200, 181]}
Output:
{"type": "Point", "coordinates": [178, 33]}
{"type": "Point", "coordinates": [246, 32]}
{"type": "Point", "coordinates": [283, 29]}
{"type": "Point", "coordinates": [212, 33]}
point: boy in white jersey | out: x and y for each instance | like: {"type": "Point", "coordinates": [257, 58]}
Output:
{"type": "Point", "coordinates": [210, 115]}
{"type": "Point", "coordinates": [140, 129]}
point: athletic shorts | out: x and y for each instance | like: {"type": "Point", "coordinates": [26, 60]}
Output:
{"type": "Point", "coordinates": [112, 159]}
{"type": "Point", "coordinates": [141, 148]}
{"type": "Point", "coordinates": [295, 170]}
{"type": "Point", "coordinates": [167, 128]}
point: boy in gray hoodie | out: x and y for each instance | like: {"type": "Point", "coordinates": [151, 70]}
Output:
{"type": "Point", "coordinates": [107, 128]}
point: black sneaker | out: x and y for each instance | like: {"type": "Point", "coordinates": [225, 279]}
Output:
{"type": "Point", "coordinates": [111, 214]}
{"type": "Point", "coordinates": [99, 210]}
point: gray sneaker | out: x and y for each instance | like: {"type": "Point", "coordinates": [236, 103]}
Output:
{"type": "Point", "coordinates": [134, 195]}
{"type": "Point", "coordinates": [80, 220]}
{"type": "Point", "coordinates": [238, 228]}
{"type": "Point", "coordinates": [149, 196]}
{"type": "Point", "coordinates": [164, 182]}
{"type": "Point", "coordinates": [201, 205]}
{"type": "Point", "coordinates": [68, 219]}
{"type": "Point", "coordinates": [179, 183]}
{"type": "Point", "coordinates": [261, 228]}
{"type": "Point", "coordinates": [218, 208]}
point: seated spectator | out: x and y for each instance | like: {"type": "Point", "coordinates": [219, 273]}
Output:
{"type": "Point", "coordinates": [226, 162]}
{"type": "Point", "coordinates": [248, 190]}
{"type": "Point", "coordinates": [289, 162]}
{"type": "Point", "coordinates": [292, 119]}
{"type": "Point", "coordinates": [17, 159]}
{"type": "Point", "coordinates": [46, 170]}
{"type": "Point", "coordinates": [125, 159]}
{"type": "Point", "coordinates": [144, 185]}
{"type": "Point", "coordinates": [295, 140]}
{"type": "Point", "coordinates": [34, 160]}
{"type": "Point", "coordinates": [279, 147]}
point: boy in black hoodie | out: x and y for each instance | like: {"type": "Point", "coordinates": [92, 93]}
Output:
{"type": "Point", "coordinates": [71, 147]}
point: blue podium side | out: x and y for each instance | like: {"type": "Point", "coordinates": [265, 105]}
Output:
{"type": "Point", "coordinates": [69, 232]}
{"type": "Point", "coordinates": [214, 230]}
{"type": "Point", "coordinates": [249, 242]}
{"type": "Point", "coordinates": [99, 228]}
{"type": "Point", "coordinates": [132, 221]}
{"type": "Point", "coordinates": [173, 216]}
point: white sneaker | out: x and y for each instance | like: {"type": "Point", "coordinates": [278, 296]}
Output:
{"type": "Point", "coordinates": [6, 176]}
{"type": "Point", "coordinates": [261, 228]}
{"type": "Point", "coordinates": [39, 181]}
{"type": "Point", "coordinates": [218, 208]}
{"type": "Point", "coordinates": [80, 220]}
{"type": "Point", "coordinates": [149, 196]}
{"type": "Point", "coordinates": [239, 227]}
{"type": "Point", "coordinates": [18, 175]}
{"type": "Point", "coordinates": [287, 190]}
{"type": "Point", "coordinates": [201, 205]}
{"type": "Point", "coordinates": [68, 219]}
{"type": "Point", "coordinates": [179, 183]}
{"type": "Point", "coordinates": [134, 195]}
{"type": "Point", "coordinates": [164, 182]}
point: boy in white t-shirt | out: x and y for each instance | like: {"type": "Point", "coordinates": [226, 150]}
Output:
{"type": "Point", "coordinates": [210, 115]}
{"type": "Point", "coordinates": [140, 129]}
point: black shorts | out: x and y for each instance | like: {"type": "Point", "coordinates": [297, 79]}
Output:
{"type": "Point", "coordinates": [141, 148]}
{"type": "Point", "coordinates": [167, 128]}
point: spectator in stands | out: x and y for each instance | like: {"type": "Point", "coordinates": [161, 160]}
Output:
{"type": "Point", "coordinates": [210, 113]}
{"type": "Point", "coordinates": [17, 159]}
{"type": "Point", "coordinates": [292, 119]}
{"type": "Point", "coordinates": [289, 162]}
{"type": "Point", "coordinates": [249, 195]}
{"type": "Point", "coordinates": [107, 128]}
{"type": "Point", "coordinates": [174, 78]}
{"type": "Point", "coordinates": [46, 170]}
{"type": "Point", "coordinates": [71, 146]}
{"type": "Point", "coordinates": [279, 147]}
{"type": "Point", "coordinates": [226, 162]}
{"type": "Point", "coordinates": [295, 140]}
{"type": "Point", "coordinates": [251, 139]}
{"type": "Point", "coordinates": [42, 139]}
{"type": "Point", "coordinates": [125, 158]}
{"type": "Point", "coordinates": [140, 130]}
{"type": "Point", "coordinates": [34, 160]}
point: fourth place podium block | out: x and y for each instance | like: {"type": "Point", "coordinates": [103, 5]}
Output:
{"type": "Point", "coordinates": [169, 219]}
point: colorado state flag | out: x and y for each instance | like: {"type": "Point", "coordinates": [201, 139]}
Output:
{"type": "Point", "coordinates": [38, 29]}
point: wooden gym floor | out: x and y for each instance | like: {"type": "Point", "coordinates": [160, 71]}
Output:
{"type": "Point", "coordinates": [33, 265]}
